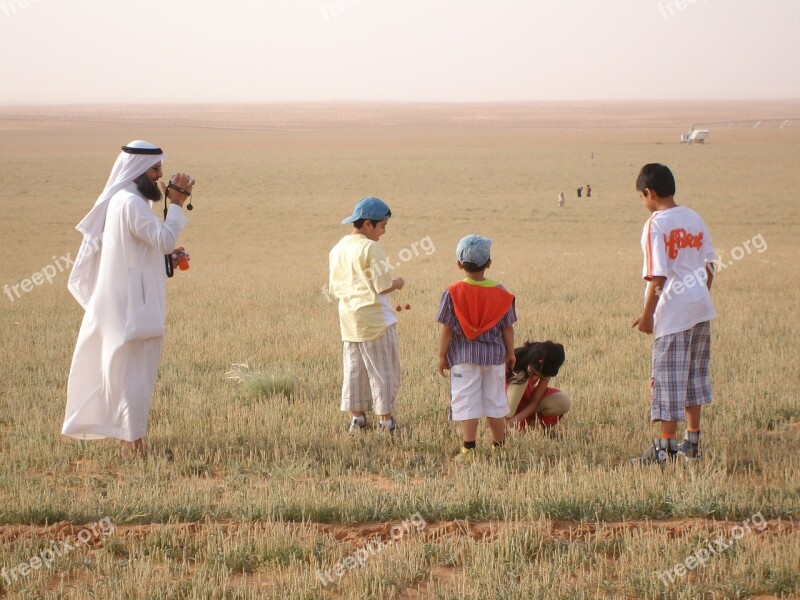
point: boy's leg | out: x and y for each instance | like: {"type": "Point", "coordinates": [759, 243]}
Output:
{"type": "Point", "coordinates": [693, 417]}
{"type": "Point", "coordinates": [689, 448]}
{"type": "Point", "coordinates": [699, 388]}
{"type": "Point", "coordinates": [668, 386]}
{"type": "Point", "coordinates": [668, 440]}
{"type": "Point", "coordinates": [469, 431]}
{"type": "Point", "coordinates": [498, 428]}
{"type": "Point", "coordinates": [382, 359]}
{"type": "Point", "coordinates": [494, 400]}
{"type": "Point", "coordinates": [465, 405]}
{"type": "Point", "coordinates": [356, 396]}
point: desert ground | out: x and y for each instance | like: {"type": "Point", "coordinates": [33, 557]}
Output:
{"type": "Point", "coordinates": [253, 489]}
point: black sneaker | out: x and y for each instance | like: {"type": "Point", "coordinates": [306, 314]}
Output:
{"type": "Point", "coordinates": [690, 452]}
{"type": "Point", "coordinates": [655, 456]}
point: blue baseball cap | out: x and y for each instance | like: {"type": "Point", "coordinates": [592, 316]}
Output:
{"type": "Point", "coordinates": [473, 249]}
{"type": "Point", "coordinates": [369, 208]}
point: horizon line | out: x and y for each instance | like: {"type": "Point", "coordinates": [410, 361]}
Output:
{"type": "Point", "coordinates": [393, 102]}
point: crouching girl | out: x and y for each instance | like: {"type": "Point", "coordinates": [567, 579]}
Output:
{"type": "Point", "coordinates": [531, 401]}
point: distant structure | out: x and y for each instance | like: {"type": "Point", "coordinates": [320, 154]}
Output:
{"type": "Point", "coordinates": [695, 136]}
{"type": "Point", "coordinates": [700, 136]}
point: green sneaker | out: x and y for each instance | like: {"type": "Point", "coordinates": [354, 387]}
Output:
{"type": "Point", "coordinates": [466, 456]}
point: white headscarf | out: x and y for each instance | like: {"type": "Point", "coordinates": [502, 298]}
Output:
{"type": "Point", "coordinates": [128, 166]}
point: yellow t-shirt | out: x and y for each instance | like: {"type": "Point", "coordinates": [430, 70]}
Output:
{"type": "Point", "coordinates": [359, 271]}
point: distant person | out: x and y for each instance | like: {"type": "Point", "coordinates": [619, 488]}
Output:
{"type": "Point", "coordinates": [588, 191]}
{"type": "Point", "coordinates": [678, 259]}
{"type": "Point", "coordinates": [531, 402]}
{"type": "Point", "coordinates": [561, 200]}
{"type": "Point", "coordinates": [476, 345]}
{"type": "Point", "coordinates": [579, 191]}
{"type": "Point", "coordinates": [119, 279]}
{"type": "Point", "coordinates": [371, 377]}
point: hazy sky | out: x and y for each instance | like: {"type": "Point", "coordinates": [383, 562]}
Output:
{"type": "Point", "coordinates": [409, 50]}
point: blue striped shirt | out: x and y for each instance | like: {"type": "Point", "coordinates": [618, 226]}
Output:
{"type": "Point", "coordinates": [486, 349]}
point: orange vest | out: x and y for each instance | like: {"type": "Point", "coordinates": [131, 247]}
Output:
{"type": "Point", "coordinates": [479, 308]}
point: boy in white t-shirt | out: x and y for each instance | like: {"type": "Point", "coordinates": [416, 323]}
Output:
{"type": "Point", "coordinates": [678, 268]}
{"type": "Point", "coordinates": [360, 278]}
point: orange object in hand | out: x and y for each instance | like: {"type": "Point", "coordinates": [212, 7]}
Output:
{"type": "Point", "coordinates": [181, 259]}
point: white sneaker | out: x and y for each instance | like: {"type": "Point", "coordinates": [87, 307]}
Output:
{"type": "Point", "coordinates": [384, 429]}
{"type": "Point", "coordinates": [357, 426]}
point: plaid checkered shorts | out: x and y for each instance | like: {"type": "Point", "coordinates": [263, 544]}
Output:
{"type": "Point", "coordinates": [680, 372]}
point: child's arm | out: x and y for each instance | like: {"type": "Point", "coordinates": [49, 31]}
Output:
{"type": "Point", "coordinates": [710, 273]}
{"type": "Point", "coordinates": [645, 322]}
{"type": "Point", "coordinates": [508, 339]}
{"type": "Point", "coordinates": [514, 393]}
{"type": "Point", "coordinates": [397, 284]}
{"type": "Point", "coordinates": [536, 400]}
{"type": "Point", "coordinates": [444, 344]}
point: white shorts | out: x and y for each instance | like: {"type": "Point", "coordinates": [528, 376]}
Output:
{"type": "Point", "coordinates": [477, 391]}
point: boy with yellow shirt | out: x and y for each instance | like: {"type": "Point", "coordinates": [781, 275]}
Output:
{"type": "Point", "coordinates": [360, 278]}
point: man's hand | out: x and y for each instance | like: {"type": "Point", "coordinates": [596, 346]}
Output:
{"type": "Point", "coordinates": [644, 324]}
{"type": "Point", "coordinates": [177, 255]}
{"type": "Point", "coordinates": [183, 181]}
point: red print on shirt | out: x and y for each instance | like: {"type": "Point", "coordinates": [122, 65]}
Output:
{"type": "Point", "coordinates": [678, 240]}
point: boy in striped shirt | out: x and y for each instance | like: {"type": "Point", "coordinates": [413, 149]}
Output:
{"type": "Point", "coordinates": [678, 269]}
{"type": "Point", "coordinates": [476, 345]}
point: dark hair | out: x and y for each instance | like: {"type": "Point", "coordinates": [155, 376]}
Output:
{"type": "Point", "coordinates": [543, 357]}
{"type": "Point", "coordinates": [359, 223]}
{"type": "Point", "coordinates": [471, 267]}
{"type": "Point", "coordinates": [658, 178]}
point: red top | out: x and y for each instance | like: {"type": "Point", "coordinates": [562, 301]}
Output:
{"type": "Point", "coordinates": [479, 308]}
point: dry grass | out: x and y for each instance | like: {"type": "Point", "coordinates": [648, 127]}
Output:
{"type": "Point", "coordinates": [265, 488]}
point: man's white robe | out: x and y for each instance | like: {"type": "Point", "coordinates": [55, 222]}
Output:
{"type": "Point", "coordinates": [114, 368]}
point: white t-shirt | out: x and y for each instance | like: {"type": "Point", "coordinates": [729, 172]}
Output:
{"type": "Point", "coordinates": [677, 245]}
{"type": "Point", "coordinates": [359, 272]}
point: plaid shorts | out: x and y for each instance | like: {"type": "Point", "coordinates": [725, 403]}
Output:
{"type": "Point", "coordinates": [371, 374]}
{"type": "Point", "coordinates": [680, 372]}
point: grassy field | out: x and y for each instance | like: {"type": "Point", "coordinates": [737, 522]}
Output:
{"type": "Point", "coordinates": [268, 497]}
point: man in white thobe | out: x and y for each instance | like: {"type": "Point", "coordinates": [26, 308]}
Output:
{"type": "Point", "coordinates": [119, 278]}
